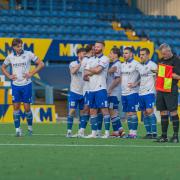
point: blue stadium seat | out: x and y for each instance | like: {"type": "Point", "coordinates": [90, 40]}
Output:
{"type": "Point", "coordinates": [79, 21]}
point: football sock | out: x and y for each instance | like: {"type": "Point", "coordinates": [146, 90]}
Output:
{"type": "Point", "coordinates": [147, 124]}
{"type": "Point", "coordinates": [134, 121]}
{"type": "Point", "coordinates": [116, 123]}
{"type": "Point", "coordinates": [94, 120]}
{"type": "Point", "coordinates": [153, 121]}
{"type": "Point", "coordinates": [107, 122]}
{"type": "Point", "coordinates": [69, 122]}
{"type": "Point", "coordinates": [175, 122]}
{"type": "Point", "coordinates": [16, 115]}
{"type": "Point", "coordinates": [164, 125]}
{"type": "Point", "coordinates": [84, 120]}
{"type": "Point", "coordinates": [129, 123]}
{"type": "Point", "coordinates": [100, 121]}
{"type": "Point", "coordinates": [29, 117]}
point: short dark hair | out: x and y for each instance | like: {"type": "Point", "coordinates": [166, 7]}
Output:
{"type": "Point", "coordinates": [101, 42]}
{"type": "Point", "coordinates": [89, 47]}
{"type": "Point", "coordinates": [130, 49]}
{"type": "Point", "coordinates": [146, 50]}
{"type": "Point", "coordinates": [16, 41]}
{"type": "Point", "coordinates": [116, 50]}
{"type": "Point", "coordinates": [81, 50]}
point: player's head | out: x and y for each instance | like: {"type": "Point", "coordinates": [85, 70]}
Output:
{"type": "Point", "coordinates": [165, 51]}
{"type": "Point", "coordinates": [17, 45]}
{"type": "Point", "coordinates": [114, 53]}
{"type": "Point", "coordinates": [89, 50]}
{"type": "Point", "coordinates": [99, 47]}
{"type": "Point", "coordinates": [81, 53]}
{"type": "Point", "coordinates": [128, 53]}
{"type": "Point", "coordinates": [144, 54]}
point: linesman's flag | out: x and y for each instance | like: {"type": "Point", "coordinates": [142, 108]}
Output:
{"type": "Point", "coordinates": [164, 78]}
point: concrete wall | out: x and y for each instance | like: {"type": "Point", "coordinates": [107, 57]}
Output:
{"type": "Point", "coordinates": [160, 7]}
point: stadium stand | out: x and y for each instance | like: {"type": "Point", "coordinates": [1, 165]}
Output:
{"type": "Point", "coordinates": [79, 22]}
{"type": "Point", "coordinates": [84, 20]}
{"type": "Point", "coordinates": [158, 29]}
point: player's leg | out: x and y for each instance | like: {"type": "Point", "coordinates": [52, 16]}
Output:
{"type": "Point", "coordinates": [17, 99]}
{"type": "Point", "coordinates": [100, 122]}
{"type": "Point", "coordinates": [70, 120]}
{"type": "Point", "coordinates": [147, 125]}
{"type": "Point", "coordinates": [146, 120]}
{"type": "Point", "coordinates": [106, 116]}
{"type": "Point", "coordinates": [85, 113]}
{"type": "Point", "coordinates": [149, 104]}
{"type": "Point", "coordinates": [125, 110]}
{"type": "Point", "coordinates": [72, 105]}
{"type": "Point", "coordinates": [132, 117]}
{"type": "Point", "coordinates": [132, 108]}
{"type": "Point", "coordinates": [16, 116]}
{"type": "Point", "coordinates": [27, 99]}
{"type": "Point", "coordinates": [83, 118]}
{"type": "Point", "coordinates": [93, 115]}
{"type": "Point", "coordinates": [29, 117]}
{"type": "Point", "coordinates": [93, 122]}
{"type": "Point", "coordinates": [115, 119]}
{"type": "Point", "coordinates": [102, 103]}
{"type": "Point", "coordinates": [152, 121]}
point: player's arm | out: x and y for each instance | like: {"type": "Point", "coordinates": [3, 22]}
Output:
{"type": "Point", "coordinates": [96, 70]}
{"type": "Point", "coordinates": [154, 68]}
{"type": "Point", "coordinates": [112, 70]}
{"type": "Point", "coordinates": [99, 68]}
{"type": "Point", "coordinates": [39, 66]}
{"type": "Point", "coordinates": [137, 83]}
{"type": "Point", "coordinates": [75, 69]}
{"type": "Point", "coordinates": [87, 72]}
{"type": "Point", "coordinates": [86, 75]}
{"type": "Point", "coordinates": [6, 73]}
{"type": "Point", "coordinates": [116, 81]}
{"type": "Point", "coordinates": [132, 85]}
{"type": "Point", "coordinates": [154, 71]}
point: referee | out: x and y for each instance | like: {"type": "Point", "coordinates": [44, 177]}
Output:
{"type": "Point", "coordinates": [167, 102]}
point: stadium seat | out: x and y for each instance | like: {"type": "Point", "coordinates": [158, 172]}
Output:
{"type": "Point", "coordinates": [88, 19]}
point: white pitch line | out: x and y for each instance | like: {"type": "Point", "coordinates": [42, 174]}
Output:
{"type": "Point", "coordinates": [8, 134]}
{"type": "Point", "coordinates": [90, 145]}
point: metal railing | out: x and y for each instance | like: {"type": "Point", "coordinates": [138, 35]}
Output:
{"type": "Point", "coordinates": [37, 85]}
{"type": "Point", "coordinates": [40, 85]}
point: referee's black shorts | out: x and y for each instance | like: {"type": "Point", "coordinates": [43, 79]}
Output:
{"type": "Point", "coordinates": [167, 101]}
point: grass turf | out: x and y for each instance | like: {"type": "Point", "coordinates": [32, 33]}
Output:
{"type": "Point", "coordinates": [49, 155]}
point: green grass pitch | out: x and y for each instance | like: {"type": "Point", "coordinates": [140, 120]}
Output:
{"type": "Point", "coordinates": [48, 155]}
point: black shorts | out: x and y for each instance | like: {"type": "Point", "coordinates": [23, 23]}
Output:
{"type": "Point", "coordinates": [167, 101]}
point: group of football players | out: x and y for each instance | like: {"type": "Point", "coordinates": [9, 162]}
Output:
{"type": "Point", "coordinates": [99, 83]}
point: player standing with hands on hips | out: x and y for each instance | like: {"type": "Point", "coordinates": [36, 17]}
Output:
{"type": "Point", "coordinates": [130, 88]}
{"type": "Point", "coordinates": [20, 62]}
